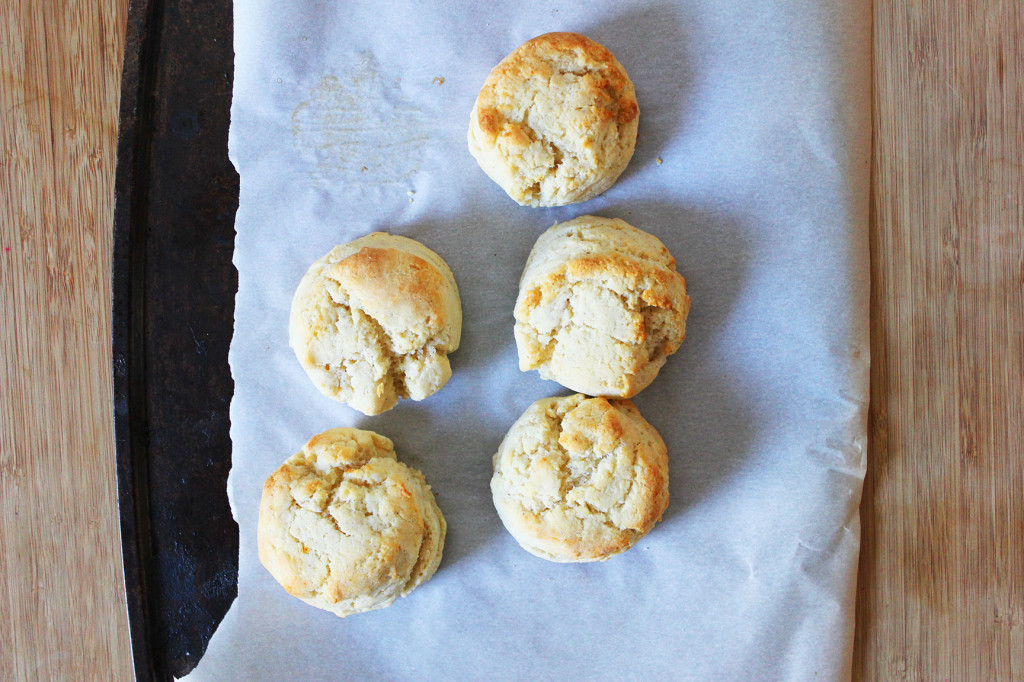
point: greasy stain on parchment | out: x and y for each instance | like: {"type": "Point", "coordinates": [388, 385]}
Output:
{"type": "Point", "coordinates": [358, 128]}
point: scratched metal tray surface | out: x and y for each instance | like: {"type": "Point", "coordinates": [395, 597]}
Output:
{"type": "Point", "coordinates": [173, 302]}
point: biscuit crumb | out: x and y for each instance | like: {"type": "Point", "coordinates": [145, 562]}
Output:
{"type": "Point", "coordinates": [438, 80]}
{"type": "Point", "coordinates": [658, 161]}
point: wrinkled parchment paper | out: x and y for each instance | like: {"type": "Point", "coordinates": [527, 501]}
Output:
{"type": "Point", "coordinates": [751, 166]}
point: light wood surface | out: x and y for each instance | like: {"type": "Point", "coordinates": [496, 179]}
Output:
{"type": "Point", "coordinates": [942, 560]}
{"type": "Point", "coordinates": [62, 613]}
{"type": "Point", "coordinates": [941, 594]}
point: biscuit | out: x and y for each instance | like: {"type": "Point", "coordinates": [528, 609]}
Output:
{"type": "Point", "coordinates": [600, 307]}
{"type": "Point", "coordinates": [346, 527]}
{"type": "Point", "coordinates": [580, 479]}
{"type": "Point", "coordinates": [555, 122]}
{"type": "Point", "coordinates": [374, 320]}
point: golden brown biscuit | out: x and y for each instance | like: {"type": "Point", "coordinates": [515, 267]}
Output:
{"type": "Point", "coordinates": [600, 307]}
{"type": "Point", "coordinates": [555, 122]}
{"type": "Point", "coordinates": [346, 527]}
{"type": "Point", "coordinates": [580, 479]}
{"type": "Point", "coordinates": [374, 320]}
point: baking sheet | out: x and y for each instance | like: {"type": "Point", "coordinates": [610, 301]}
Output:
{"type": "Point", "coordinates": [751, 166]}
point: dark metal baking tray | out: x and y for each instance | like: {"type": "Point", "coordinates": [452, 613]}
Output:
{"type": "Point", "coordinates": [173, 302]}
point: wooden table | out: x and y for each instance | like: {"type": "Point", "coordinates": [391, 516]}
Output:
{"type": "Point", "coordinates": [941, 593]}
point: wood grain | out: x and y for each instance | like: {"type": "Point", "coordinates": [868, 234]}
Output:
{"type": "Point", "coordinates": [62, 613]}
{"type": "Point", "coordinates": [941, 593]}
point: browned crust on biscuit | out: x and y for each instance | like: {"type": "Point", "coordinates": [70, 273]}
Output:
{"type": "Point", "coordinates": [614, 95]}
{"type": "Point", "coordinates": [545, 49]}
{"type": "Point", "coordinates": [633, 272]}
{"type": "Point", "coordinates": [659, 287]}
{"type": "Point", "coordinates": [389, 282]}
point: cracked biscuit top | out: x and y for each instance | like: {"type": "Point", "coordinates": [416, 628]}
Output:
{"type": "Point", "coordinates": [346, 527]}
{"type": "Point", "coordinates": [580, 479]}
{"type": "Point", "coordinates": [555, 122]}
{"type": "Point", "coordinates": [374, 320]}
{"type": "Point", "coordinates": [600, 307]}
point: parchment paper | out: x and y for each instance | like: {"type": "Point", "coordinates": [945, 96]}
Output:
{"type": "Point", "coordinates": [751, 166]}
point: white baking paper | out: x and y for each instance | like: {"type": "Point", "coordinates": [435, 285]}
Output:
{"type": "Point", "coordinates": [751, 166]}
